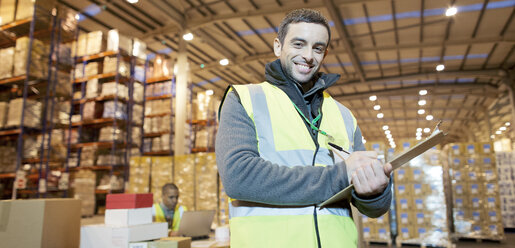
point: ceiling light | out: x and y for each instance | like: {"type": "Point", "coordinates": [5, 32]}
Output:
{"type": "Point", "coordinates": [389, 135]}
{"type": "Point", "coordinates": [419, 129]}
{"type": "Point", "coordinates": [492, 136]}
{"type": "Point", "coordinates": [507, 124]}
{"type": "Point", "coordinates": [372, 98]}
{"type": "Point", "coordinates": [387, 132]}
{"type": "Point", "coordinates": [385, 127]}
{"type": "Point", "coordinates": [502, 128]}
{"type": "Point", "coordinates": [377, 107]}
{"type": "Point", "coordinates": [390, 139]}
{"type": "Point", "coordinates": [380, 115]}
{"type": "Point", "coordinates": [422, 92]}
{"type": "Point", "coordinates": [188, 36]}
{"type": "Point", "coordinates": [419, 138]}
{"type": "Point", "coordinates": [498, 132]}
{"type": "Point", "coordinates": [224, 62]}
{"type": "Point", "coordinates": [77, 17]}
{"type": "Point", "coordinates": [209, 92]}
{"type": "Point", "coordinates": [429, 117]}
{"type": "Point", "coordinates": [421, 111]}
{"type": "Point", "coordinates": [427, 130]}
{"type": "Point", "coordinates": [394, 146]}
{"type": "Point", "coordinates": [132, 1]}
{"type": "Point", "coordinates": [451, 11]}
{"type": "Point", "coordinates": [440, 67]}
{"type": "Point", "coordinates": [422, 102]}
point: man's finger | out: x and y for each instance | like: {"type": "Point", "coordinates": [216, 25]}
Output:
{"type": "Point", "coordinates": [388, 169]}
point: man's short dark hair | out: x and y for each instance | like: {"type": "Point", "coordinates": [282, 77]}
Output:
{"type": "Point", "coordinates": [302, 15]}
{"type": "Point", "coordinates": [169, 186]}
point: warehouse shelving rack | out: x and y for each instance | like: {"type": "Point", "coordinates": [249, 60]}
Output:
{"type": "Point", "coordinates": [44, 25]}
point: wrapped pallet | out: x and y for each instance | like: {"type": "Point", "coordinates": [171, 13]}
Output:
{"type": "Point", "coordinates": [7, 8]}
{"type": "Point", "coordinates": [25, 8]}
{"type": "Point", "coordinates": [113, 109]}
{"type": "Point", "coordinates": [137, 114]}
{"type": "Point", "coordinates": [136, 136]}
{"type": "Point", "coordinates": [137, 92]}
{"type": "Point", "coordinates": [63, 87]}
{"type": "Point", "coordinates": [3, 114]}
{"type": "Point", "coordinates": [110, 159]}
{"type": "Point", "coordinates": [162, 174]}
{"type": "Point", "coordinates": [139, 177]}
{"type": "Point", "coordinates": [506, 172]}
{"type": "Point", "coordinates": [94, 42]}
{"type": "Point", "coordinates": [91, 69]}
{"type": "Point", "coordinates": [32, 113]}
{"type": "Point", "coordinates": [7, 58]}
{"type": "Point", "coordinates": [88, 156]}
{"type": "Point", "coordinates": [116, 41]}
{"type": "Point", "coordinates": [38, 61]}
{"type": "Point", "coordinates": [115, 89]}
{"type": "Point", "coordinates": [111, 134]}
{"type": "Point", "coordinates": [84, 189]}
{"type": "Point", "coordinates": [184, 178]}
{"type": "Point", "coordinates": [92, 88]}
{"type": "Point", "coordinates": [8, 161]}
{"type": "Point", "coordinates": [91, 110]}
{"type": "Point", "coordinates": [206, 196]}
{"type": "Point", "coordinates": [110, 64]}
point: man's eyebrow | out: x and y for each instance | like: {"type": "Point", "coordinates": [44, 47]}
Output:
{"type": "Point", "coordinates": [298, 39]}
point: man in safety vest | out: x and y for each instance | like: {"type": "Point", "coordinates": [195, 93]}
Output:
{"type": "Point", "coordinates": [168, 210]}
{"type": "Point", "coordinates": [273, 151]}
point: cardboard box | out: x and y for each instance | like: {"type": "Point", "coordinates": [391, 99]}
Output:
{"type": "Point", "coordinates": [403, 203]}
{"type": "Point", "coordinates": [403, 190]}
{"type": "Point", "coordinates": [403, 175]}
{"type": "Point", "coordinates": [181, 242]}
{"type": "Point", "coordinates": [40, 223]}
{"type": "Point", "coordinates": [94, 236]}
{"type": "Point", "coordinates": [128, 217]}
{"type": "Point", "coordinates": [125, 201]}
{"type": "Point", "coordinates": [7, 11]}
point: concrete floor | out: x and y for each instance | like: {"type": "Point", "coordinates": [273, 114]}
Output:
{"type": "Point", "coordinates": [509, 242]}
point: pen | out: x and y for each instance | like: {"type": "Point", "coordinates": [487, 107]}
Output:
{"type": "Point", "coordinates": [337, 147]}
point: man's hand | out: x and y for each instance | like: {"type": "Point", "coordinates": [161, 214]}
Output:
{"type": "Point", "coordinates": [369, 176]}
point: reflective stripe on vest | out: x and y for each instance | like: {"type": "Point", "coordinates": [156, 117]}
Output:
{"type": "Point", "coordinates": [283, 138]}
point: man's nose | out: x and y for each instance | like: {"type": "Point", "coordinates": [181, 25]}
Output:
{"type": "Point", "coordinates": [307, 54]}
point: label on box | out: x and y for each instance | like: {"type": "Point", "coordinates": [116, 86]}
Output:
{"type": "Point", "coordinates": [475, 202]}
{"type": "Point", "coordinates": [421, 231]}
{"type": "Point", "coordinates": [473, 175]}
{"type": "Point", "coordinates": [493, 216]}
{"type": "Point", "coordinates": [400, 174]}
{"type": "Point", "coordinates": [490, 188]}
{"type": "Point", "coordinates": [376, 147]}
{"type": "Point", "coordinates": [364, 218]}
{"type": "Point", "coordinates": [474, 188]}
{"type": "Point", "coordinates": [471, 161]}
{"type": "Point", "coordinates": [456, 149]}
{"type": "Point", "coordinates": [486, 148]}
{"type": "Point", "coordinates": [416, 174]}
{"type": "Point", "coordinates": [418, 188]}
{"type": "Point", "coordinates": [401, 189]}
{"type": "Point", "coordinates": [366, 232]}
{"type": "Point", "coordinates": [493, 229]}
{"type": "Point", "coordinates": [419, 203]}
{"type": "Point", "coordinates": [459, 202]}
{"type": "Point", "coordinates": [404, 218]}
{"type": "Point", "coordinates": [405, 232]}
{"type": "Point", "coordinates": [380, 219]}
{"type": "Point", "coordinates": [476, 228]}
{"type": "Point", "coordinates": [459, 189]}
{"type": "Point", "coordinates": [420, 218]}
{"type": "Point", "coordinates": [404, 203]}
{"type": "Point", "coordinates": [457, 175]}
{"type": "Point", "coordinates": [487, 161]}
{"type": "Point", "coordinates": [471, 149]}
{"type": "Point", "coordinates": [491, 202]}
{"type": "Point", "coordinates": [460, 214]}
{"type": "Point", "coordinates": [434, 158]}
{"type": "Point", "coordinates": [405, 145]}
{"type": "Point", "coordinates": [382, 233]}
{"type": "Point", "coordinates": [138, 245]}
{"type": "Point", "coordinates": [476, 215]}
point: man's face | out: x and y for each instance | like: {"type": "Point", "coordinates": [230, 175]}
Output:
{"type": "Point", "coordinates": [303, 51]}
{"type": "Point", "coordinates": [170, 198]}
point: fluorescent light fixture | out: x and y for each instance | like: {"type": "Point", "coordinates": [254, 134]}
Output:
{"type": "Point", "coordinates": [224, 62]}
{"type": "Point", "coordinates": [422, 102]}
{"type": "Point", "coordinates": [498, 132]}
{"type": "Point", "coordinates": [389, 135]}
{"type": "Point", "coordinates": [507, 124]}
{"type": "Point", "coordinates": [429, 117]}
{"type": "Point", "coordinates": [502, 128]}
{"type": "Point", "coordinates": [451, 11]}
{"type": "Point", "coordinates": [385, 127]}
{"type": "Point", "coordinates": [390, 139]}
{"type": "Point", "coordinates": [421, 111]}
{"type": "Point", "coordinates": [209, 92]}
{"type": "Point", "coordinates": [387, 132]}
{"type": "Point", "coordinates": [372, 98]}
{"type": "Point", "coordinates": [188, 36]}
{"type": "Point", "coordinates": [419, 133]}
{"type": "Point", "coordinates": [440, 67]}
{"type": "Point", "coordinates": [380, 115]}
{"type": "Point", "coordinates": [132, 1]}
{"type": "Point", "coordinates": [492, 136]}
{"type": "Point", "coordinates": [419, 138]}
{"type": "Point", "coordinates": [77, 17]}
{"type": "Point", "coordinates": [377, 107]}
{"type": "Point", "coordinates": [427, 130]}
{"type": "Point", "coordinates": [422, 92]}
{"type": "Point", "coordinates": [419, 130]}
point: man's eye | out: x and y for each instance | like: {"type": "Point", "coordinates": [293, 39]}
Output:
{"type": "Point", "coordinates": [319, 49]}
{"type": "Point", "coordinates": [297, 44]}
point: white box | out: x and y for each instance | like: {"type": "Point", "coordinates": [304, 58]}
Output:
{"type": "Point", "coordinates": [94, 236]}
{"type": "Point", "coordinates": [128, 217]}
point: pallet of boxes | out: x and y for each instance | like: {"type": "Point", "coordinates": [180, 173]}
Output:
{"type": "Point", "coordinates": [128, 219]}
{"type": "Point", "coordinates": [475, 191]}
{"type": "Point", "coordinates": [421, 209]}
{"type": "Point", "coordinates": [506, 171]}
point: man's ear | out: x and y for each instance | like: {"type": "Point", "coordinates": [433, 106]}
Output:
{"type": "Point", "coordinates": [277, 47]}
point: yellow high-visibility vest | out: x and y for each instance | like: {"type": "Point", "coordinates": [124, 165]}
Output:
{"type": "Point", "coordinates": [283, 139]}
{"type": "Point", "coordinates": [177, 214]}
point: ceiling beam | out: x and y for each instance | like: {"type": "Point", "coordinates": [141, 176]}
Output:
{"type": "Point", "coordinates": [486, 90]}
{"type": "Point", "coordinates": [334, 12]}
{"type": "Point", "coordinates": [355, 108]}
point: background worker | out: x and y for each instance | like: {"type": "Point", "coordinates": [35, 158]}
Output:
{"type": "Point", "coordinates": [168, 210]}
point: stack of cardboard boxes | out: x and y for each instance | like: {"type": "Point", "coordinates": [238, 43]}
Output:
{"type": "Point", "coordinates": [128, 218]}
{"type": "Point", "coordinates": [420, 200]}
{"type": "Point", "coordinates": [32, 113]}
{"type": "Point", "coordinates": [139, 175]}
{"type": "Point", "coordinates": [84, 189]}
{"type": "Point", "coordinates": [475, 191]}
{"type": "Point", "coordinates": [161, 174]}
{"type": "Point", "coordinates": [506, 172]}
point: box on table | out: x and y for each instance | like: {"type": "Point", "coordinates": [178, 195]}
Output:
{"type": "Point", "coordinates": [128, 217]}
{"type": "Point", "coordinates": [125, 201]}
{"type": "Point", "coordinates": [93, 236]}
{"type": "Point", "coordinates": [181, 242]}
{"type": "Point", "coordinates": [40, 223]}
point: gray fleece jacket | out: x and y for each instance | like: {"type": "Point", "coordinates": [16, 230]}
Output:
{"type": "Point", "coordinates": [248, 177]}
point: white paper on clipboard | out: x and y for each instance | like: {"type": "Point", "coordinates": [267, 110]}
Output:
{"type": "Point", "coordinates": [435, 139]}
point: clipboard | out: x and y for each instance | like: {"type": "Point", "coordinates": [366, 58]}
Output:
{"type": "Point", "coordinates": [435, 139]}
